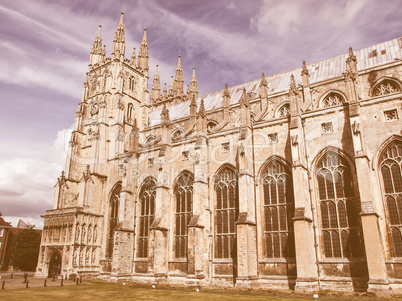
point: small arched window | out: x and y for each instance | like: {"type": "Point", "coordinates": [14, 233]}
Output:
{"type": "Point", "coordinates": [147, 215]}
{"type": "Point", "coordinates": [278, 211]}
{"type": "Point", "coordinates": [391, 171]}
{"type": "Point", "coordinates": [131, 83]}
{"type": "Point", "coordinates": [130, 110]}
{"type": "Point", "coordinates": [332, 99]}
{"type": "Point", "coordinates": [226, 213]}
{"type": "Point", "coordinates": [338, 206]}
{"type": "Point", "coordinates": [177, 134]}
{"type": "Point", "coordinates": [385, 87]}
{"type": "Point", "coordinates": [284, 111]}
{"type": "Point", "coordinates": [184, 211]}
{"type": "Point", "coordinates": [211, 124]}
{"type": "Point", "coordinates": [114, 202]}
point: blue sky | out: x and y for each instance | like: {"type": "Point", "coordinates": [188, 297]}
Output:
{"type": "Point", "coordinates": [45, 45]}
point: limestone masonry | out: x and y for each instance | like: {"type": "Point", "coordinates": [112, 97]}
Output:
{"type": "Point", "coordinates": [289, 181]}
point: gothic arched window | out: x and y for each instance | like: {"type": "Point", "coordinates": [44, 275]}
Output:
{"type": "Point", "coordinates": [391, 170]}
{"type": "Point", "coordinates": [226, 213]}
{"type": "Point", "coordinates": [184, 211]}
{"type": "Point", "coordinates": [284, 111]}
{"type": "Point", "coordinates": [386, 87]}
{"type": "Point", "coordinates": [114, 202]}
{"type": "Point", "coordinates": [130, 110]}
{"type": "Point", "coordinates": [338, 207]}
{"type": "Point", "coordinates": [332, 99]}
{"type": "Point", "coordinates": [147, 215]}
{"type": "Point", "coordinates": [278, 211]}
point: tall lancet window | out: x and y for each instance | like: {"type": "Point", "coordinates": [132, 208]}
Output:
{"type": "Point", "coordinates": [278, 211]}
{"type": "Point", "coordinates": [338, 206]}
{"type": "Point", "coordinates": [184, 210]}
{"type": "Point", "coordinates": [391, 166]}
{"type": "Point", "coordinates": [226, 213]}
{"type": "Point", "coordinates": [147, 215]}
{"type": "Point", "coordinates": [114, 202]}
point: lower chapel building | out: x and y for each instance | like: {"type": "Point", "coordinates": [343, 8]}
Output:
{"type": "Point", "coordinates": [289, 181]}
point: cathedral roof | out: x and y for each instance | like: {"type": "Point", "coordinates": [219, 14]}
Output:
{"type": "Point", "coordinates": [369, 57]}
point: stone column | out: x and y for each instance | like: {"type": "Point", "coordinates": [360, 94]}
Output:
{"type": "Point", "coordinates": [199, 224]}
{"type": "Point", "coordinates": [375, 254]}
{"type": "Point", "coordinates": [306, 264]}
{"type": "Point", "coordinates": [247, 260]}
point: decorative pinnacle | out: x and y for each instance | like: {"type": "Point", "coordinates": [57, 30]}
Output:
{"type": "Point", "coordinates": [121, 18]}
{"type": "Point", "coordinates": [144, 38]}
{"type": "Point", "coordinates": [193, 102]}
{"type": "Point", "coordinates": [292, 87]}
{"type": "Point", "coordinates": [263, 80]}
{"type": "Point", "coordinates": [226, 91]}
{"type": "Point", "coordinates": [201, 112]}
{"type": "Point", "coordinates": [244, 100]}
{"type": "Point", "coordinates": [304, 69]}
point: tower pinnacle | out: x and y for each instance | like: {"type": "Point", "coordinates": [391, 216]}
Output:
{"type": "Point", "coordinates": [119, 41]}
{"type": "Point", "coordinates": [143, 55]}
{"type": "Point", "coordinates": [97, 54]}
{"type": "Point", "coordinates": [178, 86]}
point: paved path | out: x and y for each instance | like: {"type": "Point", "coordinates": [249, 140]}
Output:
{"type": "Point", "coordinates": [18, 281]}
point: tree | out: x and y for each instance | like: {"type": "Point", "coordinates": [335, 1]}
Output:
{"type": "Point", "coordinates": [25, 249]}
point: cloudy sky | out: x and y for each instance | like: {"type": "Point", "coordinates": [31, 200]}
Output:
{"type": "Point", "coordinates": [45, 45]}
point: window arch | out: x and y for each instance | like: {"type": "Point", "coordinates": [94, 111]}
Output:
{"type": "Point", "coordinates": [284, 111]}
{"type": "Point", "coordinates": [130, 110]}
{"type": "Point", "coordinates": [226, 213]}
{"type": "Point", "coordinates": [332, 99]}
{"type": "Point", "coordinates": [338, 207]}
{"type": "Point", "coordinates": [278, 204]}
{"type": "Point", "coordinates": [177, 134]}
{"type": "Point", "coordinates": [391, 171]}
{"type": "Point", "coordinates": [386, 86]}
{"type": "Point", "coordinates": [114, 203]}
{"type": "Point", "coordinates": [147, 215]}
{"type": "Point", "coordinates": [183, 191]}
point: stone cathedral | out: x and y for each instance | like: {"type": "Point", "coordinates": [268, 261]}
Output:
{"type": "Point", "coordinates": [288, 181]}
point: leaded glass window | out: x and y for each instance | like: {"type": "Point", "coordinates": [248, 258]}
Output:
{"type": "Point", "coordinates": [226, 212]}
{"type": "Point", "coordinates": [338, 206]}
{"type": "Point", "coordinates": [113, 219]}
{"type": "Point", "coordinates": [386, 87]}
{"type": "Point", "coordinates": [391, 166]}
{"type": "Point", "coordinates": [147, 215]}
{"type": "Point", "coordinates": [284, 111]}
{"type": "Point", "coordinates": [184, 211]}
{"type": "Point", "coordinates": [278, 211]}
{"type": "Point", "coordinates": [332, 99]}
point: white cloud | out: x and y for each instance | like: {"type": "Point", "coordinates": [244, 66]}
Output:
{"type": "Point", "coordinates": [26, 183]}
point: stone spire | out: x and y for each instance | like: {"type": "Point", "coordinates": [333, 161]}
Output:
{"type": "Point", "coordinates": [351, 65]}
{"type": "Point", "coordinates": [171, 87]}
{"type": "Point", "coordinates": [294, 105]}
{"type": "Point", "coordinates": [97, 54]}
{"type": "Point", "coordinates": [194, 85]}
{"type": "Point", "coordinates": [118, 50]}
{"type": "Point", "coordinates": [143, 55]}
{"type": "Point", "coordinates": [178, 85]}
{"type": "Point", "coordinates": [201, 123]}
{"type": "Point", "coordinates": [307, 99]}
{"type": "Point", "coordinates": [264, 90]}
{"type": "Point", "coordinates": [245, 110]}
{"type": "Point", "coordinates": [164, 95]}
{"type": "Point", "coordinates": [193, 109]}
{"type": "Point", "coordinates": [156, 87]}
{"type": "Point", "coordinates": [133, 58]}
{"type": "Point", "coordinates": [226, 103]}
{"type": "Point", "coordinates": [164, 116]}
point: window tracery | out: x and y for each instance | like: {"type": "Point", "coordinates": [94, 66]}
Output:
{"type": "Point", "coordinates": [227, 210]}
{"type": "Point", "coordinates": [284, 111]}
{"type": "Point", "coordinates": [386, 87]}
{"type": "Point", "coordinates": [339, 216]}
{"type": "Point", "coordinates": [278, 211]}
{"type": "Point", "coordinates": [391, 171]}
{"type": "Point", "coordinates": [184, 212]}
{"type": "Point", "coordinates": [147, 215]}
{"type": "Point", "coordinates": [332, 99]}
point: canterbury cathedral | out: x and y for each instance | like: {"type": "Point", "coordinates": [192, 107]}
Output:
{"type": "Point", "coordinates": [291, 181]}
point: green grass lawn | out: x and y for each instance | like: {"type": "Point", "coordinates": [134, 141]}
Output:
{"type": "Point", "coordinates": [102, 290]}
